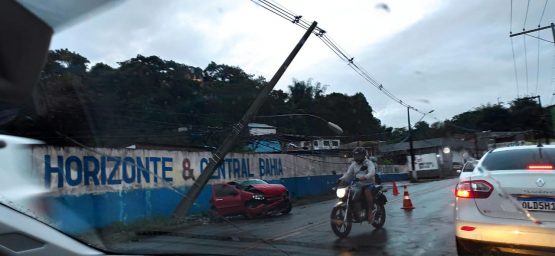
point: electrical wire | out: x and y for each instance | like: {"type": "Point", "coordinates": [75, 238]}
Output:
{"type": "Point", "coordinates": [541, 17]}
{"type": "Point", "coordinates": [526, 16]}
{"type": "Point", "coordinates": [334, 47]}
{"type": "Point", "coordinates": [511, 20]}
{"type": "Point", "coordinates": [322, 34]}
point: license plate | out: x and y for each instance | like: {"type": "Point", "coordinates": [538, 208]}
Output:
{"type": "Point", "coordinates": [533, 205]}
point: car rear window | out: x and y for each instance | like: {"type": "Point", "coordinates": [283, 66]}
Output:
{"type": "Point", "coordinates": [519, 159]}
{"type": "Point", "coordinates": [468, 167]}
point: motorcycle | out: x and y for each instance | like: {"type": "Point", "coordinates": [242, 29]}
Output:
{"type": "Point", "coordinates": [351, 208]}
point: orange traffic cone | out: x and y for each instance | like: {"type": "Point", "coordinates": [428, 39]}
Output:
{"type": "Point", "coordinates": [407, 204]}
{"type": "Point", "coordinates": [395, 190]}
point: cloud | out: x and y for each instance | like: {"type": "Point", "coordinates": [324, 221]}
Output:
{"type": "Point", "coordinates": [450, 56]}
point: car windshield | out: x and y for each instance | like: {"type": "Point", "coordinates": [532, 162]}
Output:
{"type": "Point", "coordinates": [519, 159]}
{"type": "Point", "coordinates": [139, 127]}
{"type": "Point", "coordinates": [252, 182]}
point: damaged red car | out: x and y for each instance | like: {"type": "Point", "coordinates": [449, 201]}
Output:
{"type": "Point", "coordinates": [250, 198]}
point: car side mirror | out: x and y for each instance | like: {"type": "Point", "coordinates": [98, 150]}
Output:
{"type": "Point", "coordinates": [459, 171]}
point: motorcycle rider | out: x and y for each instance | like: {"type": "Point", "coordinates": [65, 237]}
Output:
{"type": "Point", "coordinates": [364, 170]}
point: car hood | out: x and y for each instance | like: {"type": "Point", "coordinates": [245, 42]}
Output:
{"type": "Point", "coordinates": [270, 189]}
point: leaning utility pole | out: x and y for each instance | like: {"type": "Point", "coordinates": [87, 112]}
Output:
{"type": "Point", "coordinates": [218, 156]}
{"type": "Point", "coordinates": [545, 128]}
{"type": "Point", "coordinates": [413, 176]}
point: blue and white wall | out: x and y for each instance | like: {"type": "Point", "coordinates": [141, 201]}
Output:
{"type": "Point", "coordinates": [94, 188]}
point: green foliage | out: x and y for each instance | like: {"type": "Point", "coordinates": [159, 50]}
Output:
{"type": "Point", "coordinates": [145, 100]}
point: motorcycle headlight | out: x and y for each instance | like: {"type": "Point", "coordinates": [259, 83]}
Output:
{"type": "Point", "coordinates": [258, 197]}
{"type": "Point", "coordinates": [340, 192]}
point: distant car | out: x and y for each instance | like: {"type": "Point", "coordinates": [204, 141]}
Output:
{"type": "Point", "coordinates": [507, 204]}
{"type": "Point", "coordinates": [251, 198]}
{"type": "Point", "coordinates": [466, 170]}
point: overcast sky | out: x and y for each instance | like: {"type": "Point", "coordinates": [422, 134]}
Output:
{"type": "Point", "coordinates": [447, 56]}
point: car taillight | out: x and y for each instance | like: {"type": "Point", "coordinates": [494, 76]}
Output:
{"type": "Point", "coordinates": [540, 167]}
{"type": "Point", "coordinates": [474, 189]}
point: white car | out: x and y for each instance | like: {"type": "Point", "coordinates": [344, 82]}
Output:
{"type": "Point", "coordinates": [507, 204]}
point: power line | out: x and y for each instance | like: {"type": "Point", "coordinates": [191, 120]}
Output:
{"type": "Point", "coordinates": [526, 16]}
{"type": "Point", "coordinates": [511, 20]}
{"type": "Point", "coordinates": [455, 126]}
{"type": "Point", "coordinates": [334, 47]}
{"type": "Point", "coordinates": [541, 17]}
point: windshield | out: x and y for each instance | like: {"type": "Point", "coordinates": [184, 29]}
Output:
{"type": "Point", "coordinates": [252, 182]}
{"type": "Point", "coordinates": [144, 125]}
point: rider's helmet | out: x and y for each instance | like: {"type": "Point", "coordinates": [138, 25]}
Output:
{"type": "Point", "coordinates": [359, 154]}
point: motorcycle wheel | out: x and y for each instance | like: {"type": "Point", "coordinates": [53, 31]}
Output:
{"type": "Point", "coordinates": [341, 230]}
{"type": "Point", "coordinates": [379, 219]}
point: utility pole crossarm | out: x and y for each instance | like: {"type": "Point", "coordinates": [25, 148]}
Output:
{"type": "Point", "coordinates": [551, 26]}
{"type": "Point", "coordinates": [532, 30]}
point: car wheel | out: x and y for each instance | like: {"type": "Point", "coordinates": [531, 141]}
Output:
{"type": "Point", "coordinates": [461, 250]}
{"type": "Point", "coordinates": [287, 209]}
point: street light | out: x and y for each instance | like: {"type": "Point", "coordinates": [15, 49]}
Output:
{"type": "Point", "coordinates": [334, 127]}
{"type": "Point", "coordinates": [429, 112]}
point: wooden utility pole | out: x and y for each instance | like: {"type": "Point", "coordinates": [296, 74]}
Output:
{"type": "Point", "coordinates": [218, 156]}
{"type": "Point", "coordinates": [411, 149]}
{"type": "Point", "coordinates": [545, 128]}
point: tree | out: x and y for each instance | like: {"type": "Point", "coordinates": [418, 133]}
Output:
{"type": "Point", "coordinates": [526, 114]}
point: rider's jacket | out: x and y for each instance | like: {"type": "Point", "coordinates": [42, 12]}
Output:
{"type": "Point", "coordinates": [355, 170]}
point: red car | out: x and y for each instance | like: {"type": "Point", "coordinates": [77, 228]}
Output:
{"type": "Point", "coordinates": [250, 198]}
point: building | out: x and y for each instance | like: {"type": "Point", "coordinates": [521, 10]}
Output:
{"type": "Point", "coordinates": [315, 144]}
{"type": "Point", "coordinates": [257, 129]}
{"type": "Point", "coordinates": [439, 157]}
{"type": "Point", "coordinates": [265, 139]}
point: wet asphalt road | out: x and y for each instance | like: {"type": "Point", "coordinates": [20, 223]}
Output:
{"type": "Point", "coordinates": [427, 230]}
